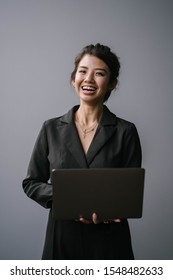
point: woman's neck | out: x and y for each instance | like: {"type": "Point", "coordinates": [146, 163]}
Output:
{"type": "Point", "coordinates": [88, 115]}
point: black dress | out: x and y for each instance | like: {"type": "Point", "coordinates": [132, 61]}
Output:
{"type": "Point", "coordinates": [115, 144]}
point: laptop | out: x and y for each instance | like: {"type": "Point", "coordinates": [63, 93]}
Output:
{"type": "Point", "coordinates": [110, 193]}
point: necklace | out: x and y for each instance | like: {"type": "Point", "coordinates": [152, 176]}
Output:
{"type": "Point", "coordinates": [86, 130]}
{"type": "Point", "coordinates": [89, 129]}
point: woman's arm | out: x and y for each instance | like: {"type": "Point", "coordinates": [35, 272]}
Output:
{"type": "Point", "coordinates": [36, 184]}
{"type": "Point", "coordinates": [132, 153]}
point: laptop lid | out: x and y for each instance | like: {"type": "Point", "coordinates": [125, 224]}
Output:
{"type": "Point", "coordinates": [110, 193]}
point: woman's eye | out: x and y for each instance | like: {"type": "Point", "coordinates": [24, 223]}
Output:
{"type": "Point", "coordinates": [82, 71]}
{"type": "Point", "coordinates": [99, 74]}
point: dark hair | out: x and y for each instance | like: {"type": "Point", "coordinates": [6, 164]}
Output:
{"type": "Point", "coordinates": [105, 54]}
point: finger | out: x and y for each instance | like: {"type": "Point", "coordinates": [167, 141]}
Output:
{"type": "Point", "coordinates": [117, 220]}
{"type": "Point", "coordinates": [95, 218]}
{"type": "Point", "coordinates": [85, 221]}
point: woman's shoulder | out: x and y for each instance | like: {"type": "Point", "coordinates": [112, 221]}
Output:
{"type": "Point", "coordinates": [52, 121]}
{"type": "Point", "coordinates": [124, 123]}
{"type": "Point", "coordinates": [60, 120]}
{"type": "Point", "coordinates": [118, 121]}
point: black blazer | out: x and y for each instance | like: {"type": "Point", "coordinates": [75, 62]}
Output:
{"type": "Point", "coordinates": [115, 144]}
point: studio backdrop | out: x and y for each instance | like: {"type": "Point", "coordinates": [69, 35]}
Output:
{"type": "Point", "coordinates": [38, 43]}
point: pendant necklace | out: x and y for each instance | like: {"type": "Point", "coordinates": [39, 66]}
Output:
{"type": "Point", "coordinates": [89, 129]}
{"type": "Point", "coordinates": [86, 130]}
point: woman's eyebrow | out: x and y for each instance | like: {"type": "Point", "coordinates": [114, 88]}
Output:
{"type": "Point", "coordinates": [83, 67]}
{"type": "Point", "coordinates": [100, 69]}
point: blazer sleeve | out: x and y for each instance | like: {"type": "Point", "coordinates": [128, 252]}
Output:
{"type": "Point", "coordinates": [132, 153]}
{"type": "Point", "coordinates": [36, 184]}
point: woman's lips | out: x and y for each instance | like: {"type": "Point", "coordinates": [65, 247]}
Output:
{"type": "Point", "coordinates": [88, 89]}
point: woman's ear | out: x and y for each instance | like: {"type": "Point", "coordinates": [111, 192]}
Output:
{"type": "Point", "coordinates": [73, 83]}
{"type": "Point", "coordinates": [113, 85]}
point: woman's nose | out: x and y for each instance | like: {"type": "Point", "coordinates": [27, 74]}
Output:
{"type": "Point", "coordinates": [89, 77]}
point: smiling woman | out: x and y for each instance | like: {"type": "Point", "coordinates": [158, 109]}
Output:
{"type": "Point", "coordinates": [91, 82]}
{"type": "Point", "coordinates": [109, 64]}
{"type": "Point", "coordinates": [92, 79]}
{"type": "Point", "coordinates": [88, 136]}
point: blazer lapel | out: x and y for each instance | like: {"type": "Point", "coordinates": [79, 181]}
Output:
{"type": "Point", "coordinates": [105, 130]}
{"type": "Point", "coordinates": [69, 133]}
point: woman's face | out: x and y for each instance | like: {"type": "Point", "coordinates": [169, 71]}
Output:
{"type": "Point", "coordinates": [92, 79]}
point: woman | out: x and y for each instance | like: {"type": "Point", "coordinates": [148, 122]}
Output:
{"type": "Point", "coordinates": [88, 136]}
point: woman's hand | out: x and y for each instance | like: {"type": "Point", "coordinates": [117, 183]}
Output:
{"type": "Point", "coordinates": [116, 220]}
{"type": "Point", "coordinates": [96, 221]}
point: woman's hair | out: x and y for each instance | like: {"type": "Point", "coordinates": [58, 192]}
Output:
{"type": "Point", "coordinates": [104, 53]}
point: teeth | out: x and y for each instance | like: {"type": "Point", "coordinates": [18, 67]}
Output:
{"type": "Point", "coordinates": [88, 88]}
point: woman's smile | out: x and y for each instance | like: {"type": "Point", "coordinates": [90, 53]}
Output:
{"type": "Point", "coordinates": [88, 90]}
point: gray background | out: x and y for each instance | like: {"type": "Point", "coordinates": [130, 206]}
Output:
{"type": "Point", "coordinates": [38, 42]}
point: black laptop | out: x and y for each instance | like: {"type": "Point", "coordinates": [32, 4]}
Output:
{"type": "Point", "coordinates": [110, 193]}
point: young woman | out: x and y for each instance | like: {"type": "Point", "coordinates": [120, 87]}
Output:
{"type": "Point", "coordinates": [88, 136]}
